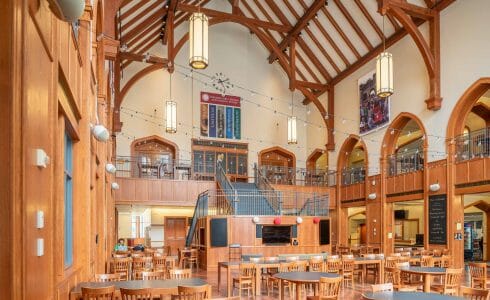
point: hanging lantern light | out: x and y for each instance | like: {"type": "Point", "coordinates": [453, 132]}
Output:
{"type": "Point", "coordinates": [292, 134]}
{"type": "Point", "coordinates": [198, 41]}
{"type": "Point", "coordinates": [171, 122]}
{"type": "Point", "coordinates": [384, 71]}
{"type": "Point", "coordinates": [384, 75]}
{"type": "Point", "coordinates": [292, 138]}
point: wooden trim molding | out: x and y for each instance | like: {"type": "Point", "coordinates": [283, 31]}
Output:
{"type": "Point", "coordinates": [281, 150]}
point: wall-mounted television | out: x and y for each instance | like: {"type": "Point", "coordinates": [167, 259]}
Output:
{"type": "Point", "coordinates": [276, 234]}
{"type": "Point", "coordinates": [401, 214]}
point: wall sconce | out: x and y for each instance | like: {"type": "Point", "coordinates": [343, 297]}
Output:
{"type": "Point", "coordinates": [100, 133]}
{"type": "Point", "coordinates": [372, 196]}
{"type": "Point", "coordinates": [299, 220]}
{"type": "Point", "coordinates": [110, 168]}
{"type": "Point", "coordinates": [255, 220]}
{"type": "Point", "coordinates": [114, 186]}
{"type": "Point", "coordinates": [434, 187]}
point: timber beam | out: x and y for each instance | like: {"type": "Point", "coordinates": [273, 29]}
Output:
{"type": "Point", "coordinates": [300, 25]}
{"type": "Point", "coordinates": [430, 51]}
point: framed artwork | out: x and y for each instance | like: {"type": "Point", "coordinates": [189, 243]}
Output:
{"type": "Point", "coordinates": [374, 111]}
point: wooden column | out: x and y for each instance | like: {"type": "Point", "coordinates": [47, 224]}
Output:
{"type": "Point", "coordinates": [330, 119]}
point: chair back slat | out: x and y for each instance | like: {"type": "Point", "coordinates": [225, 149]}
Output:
{"type": "Point", "coordinates": [179, 273]}
{"type": "Point", "coordinates": [136, 294]}
{"type": "Point", "coordinates": [104, 293]}
{"type": "Point", "coordinates": [194, 292]}
{"type": "Point", "coordinates": [329, 288]}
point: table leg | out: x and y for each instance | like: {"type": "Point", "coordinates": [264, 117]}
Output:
{"type": "Point", "coordinates": [281, 287]}
{"type": "Point", "coordinates": [258, 280]}
{"type": "Point", "coordinates": [381, 272]}
{"type": "Point", "coordinates": [427, 280]}
{"type": "Point", "coordinates": [219, 275]}
{"type": "Point", "coordinates": [228, 281]}
{"type": "Point", "coordinates": [298, 291]}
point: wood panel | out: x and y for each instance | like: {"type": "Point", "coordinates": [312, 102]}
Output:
{"type": "Point", "coordinates": [438, 174]}
{"type": "Point", "coordinates": [471, 171]}
{"type": "Point", "coordinates": [405, 183]}
{"type": "Point", "coordinates": [241, 230]}
{"type": "Point", "coordinates": [352, 192]}
{"type": "Point", "coordinates": [161, 191]}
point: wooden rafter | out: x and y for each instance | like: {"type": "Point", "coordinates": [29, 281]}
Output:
{"type": "Point", "coordinates": [141, 15]}
{"type": "Point", "coordinates": [339, 30]}
{"type": "Point", "coordinates": [133, 9]}
{"type": "Point", "coordinates": [370, 19]}
{"type": "Point", "coordinates": [169, 23]}
{"type": "Point", "coordinates": [158, 15]}
{"type": "Point", "coordinates": [354, 25]}
{"type": "Point", "coordinates": [300, 25]}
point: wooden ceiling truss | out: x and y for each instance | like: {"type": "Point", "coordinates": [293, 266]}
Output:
{"type": "Point", "coordinates": [317, 43]}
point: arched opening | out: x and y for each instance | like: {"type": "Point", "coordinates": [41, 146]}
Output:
{"type": "Point", "coordinates": [476, 234]}
{"type": "Point", "coordinates": [403, 145]}
{"type": "Point", "coordinates": [153, 157]}
{"type": "Point", "coordinates": [352, 161]}
{"type": "Point", "coordinates": [357, 230]}
{"type": "Point", "coordinates": [278, 165]}
{"type": "Point", "coordinates": [317, 168]}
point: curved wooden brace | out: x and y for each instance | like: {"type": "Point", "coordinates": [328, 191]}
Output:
{"type": "Point", "coordinates": [418, 38]}
{"type": "Point", "coordinates": [348, 145]}
{"type": "Point", "coordinates": [132, 81]}
{"type": "Point", "coordinates": [310, 95]}
{"type": "Point", "coordinates": [464, 105]}
{"type": "Point", "coordinates": [398, 124]}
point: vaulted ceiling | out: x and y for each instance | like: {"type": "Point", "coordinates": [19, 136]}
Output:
{"type": "Point", "coordinates": [317, 42]}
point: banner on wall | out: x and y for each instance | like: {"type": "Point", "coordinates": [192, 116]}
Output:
{"type": "Point", "coordinates": [220, 116]}
{"type": "Point", "coordinates": [374, 111]}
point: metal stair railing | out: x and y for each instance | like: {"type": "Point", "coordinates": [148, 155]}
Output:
{"type": "Point", "coordinates": [273, 197]}
{"type": "Point", "coordinates": [316, 206]}
{"type": "Point", "coordinates": [200, 210]}
{"type": "Point", "coordinates": [225, 184]}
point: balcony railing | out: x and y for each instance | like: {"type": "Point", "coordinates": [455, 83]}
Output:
{"type": "Point", "coordinates": [473, 145]}
{"type": "Point", "coordinates": [143, 167]}
{"type": "Point", "coordinates": [353, 175]}
{"type": "Point", "coordinates": [298, 176]}
{"type": "Point", "coordinates": [405, 161]}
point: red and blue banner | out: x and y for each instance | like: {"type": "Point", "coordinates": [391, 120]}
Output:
{"type": "Point", "coordinates": [220, 116]}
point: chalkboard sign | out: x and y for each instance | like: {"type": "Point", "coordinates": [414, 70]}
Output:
{"type": "Point", "coordinates": [219, 232]}
{"type": "Point", "coordinates": [438, 219]}
{"type": "Point", "coordinates": [324, 232]}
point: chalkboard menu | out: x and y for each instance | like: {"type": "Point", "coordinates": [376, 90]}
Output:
{"type": "Point", "coordinates": [438, 219]}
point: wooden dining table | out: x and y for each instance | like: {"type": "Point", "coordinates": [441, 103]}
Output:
{"type": "Point", "coordinates": [300, 278]}
{"type": "Point", "coordinates": [406, 296]}
{"type": "Point", "coordinates": [363, 261]}
{"type": "Point", "coordinates": [426, 272]}
{"type": "Point", "coordinates": [159, 287]}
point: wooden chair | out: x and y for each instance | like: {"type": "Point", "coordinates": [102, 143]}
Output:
{"type": "Point", "coordinates": [390, 264]}
{"type": "Point", "coordinates": [194, 292]}
{"type": "Point", "coordinates": [372, 269]}
{"type": "Point", "coordinates": [445, 261]}
{"type": "Point", "coordinates": [141, 264]}
{"type": "Point", "coordinates": [383, 287]}
{"type": "Point", "coordinates": [329, 289]}
{"type": "Point", "coordinates": [333, 265]}
{"type": "Point", "coordinates": [427, 261]}
{"type": "Point", "coordinates": [121, 266]}
{"type": "Point", "coordinates": [159, 263]}
{"type": "Point", "coordinates": [136, 294]}
{"type": "Point", "coordinates": [179, 273]}
{"type": "Point", "coordinates": [452, 280]}
{"type": "Point", "coordinates": [119, 255]}
{"type": "Point", "coordinates": [167, 250]}
{"type": "Point", "coordinates": [316, 265]}
{"type": "Point", "coordinates": [348, 272]}
{"type": "Point", "coordinates": [156, 275]}
{"type": "Point", "coordinates": [478, 274]}
{"type": "Point", "coordinates": [245, 279]}
{"type": "Point", "coordinates": [474, 294]}
{"type": "Point", "coordinates": [299, 266]}
{"type": "Point", "coordinates": [107, 277]}
{"type": "Point", "coordinates": [104, 293]}
{"type": "Point", "coordinates": [272, 281]}
{"type": "Point", "coordinates": [192, 259]}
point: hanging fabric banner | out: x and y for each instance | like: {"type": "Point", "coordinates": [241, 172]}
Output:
{"type": "Point", "coordinates": [220, 116]}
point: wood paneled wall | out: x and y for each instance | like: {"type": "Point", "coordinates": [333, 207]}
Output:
{"type": "Point", "coordinates": [241, 230]}
{"type": "Point", "coordinates": [49, 85]}
{"type": "Point", "coordinates": [160, 191]}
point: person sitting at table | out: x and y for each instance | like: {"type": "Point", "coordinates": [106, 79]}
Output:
{"type": "Point", "coordinates": [120, 246]}
{"type": "Point", "coordinates": [139, 247]}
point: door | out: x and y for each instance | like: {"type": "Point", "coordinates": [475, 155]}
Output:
{"type": "Point", "coordinates": [175, 231]}
{"type": "Point", "coordinates": [363, 233]}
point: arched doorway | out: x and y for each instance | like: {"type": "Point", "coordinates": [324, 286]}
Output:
{"type": "Point", "coordinates": [476, 233]}
{"type": "Point", "coordinates": [154, 156]}
{"type": "Point", "coordinates": [278, 165]}
{"type": "Point", "coordinates": [316, 168]}
{"type": "Point", "coordinates": [352, 161]}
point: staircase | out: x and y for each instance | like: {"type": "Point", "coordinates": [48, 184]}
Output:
{"type": "Point", "coordinates": [251, 200]}
{"type": "Point", "coordinates": [200, 210]}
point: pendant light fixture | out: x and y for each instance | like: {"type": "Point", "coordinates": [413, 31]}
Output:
{"type": "Point", "coordinates": [384, 71]}
{"type": "Point", "coordinates": [198, 40]}
{"type": "Point", "coordinates": [171, 113]}
{"type": "Point", "coordinates": [292, 134]}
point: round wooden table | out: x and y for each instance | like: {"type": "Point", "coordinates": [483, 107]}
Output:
{"type": "Point", "coordinates": [426, 272]}
{"type": "Point", "coordinates": [406, 296]}
{"type": "Point", "coordinates": [300, 278]}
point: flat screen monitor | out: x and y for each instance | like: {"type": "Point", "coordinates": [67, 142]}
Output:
{"type": "Point", "coordinates": [276, 234]}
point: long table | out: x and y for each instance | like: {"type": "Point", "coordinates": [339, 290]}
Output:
{"type": "Point", "coordinates": [263, 265]}
{"type": "Point", "coordinates": [159, 287]}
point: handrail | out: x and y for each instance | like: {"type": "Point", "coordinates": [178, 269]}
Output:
{"type": "Point", "coordinates": [474, 144]}
{"type": "Point", "coordinates": [405, 161]}
{"type": "Point", "coordinates": [275, 201]}
{"type": "Point", "coordinates": [225, 184]}
{"type": "Point", "coordinates": [298, 176]}
{"type": "Point", "coordinates": [353, 175]}
{"type": "Point", "coordinates": [200, 210]}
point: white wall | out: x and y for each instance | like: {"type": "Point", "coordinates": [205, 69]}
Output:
{"type": "Point", "coordinates": [465, 57]}
{"type": "Point", "coordinates": [465, 45]}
